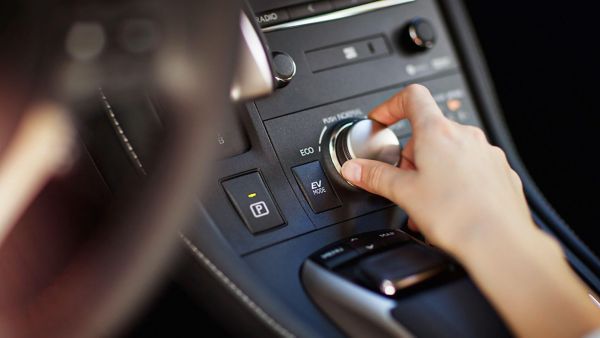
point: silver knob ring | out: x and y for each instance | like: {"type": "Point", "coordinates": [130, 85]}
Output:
{"type": "Point", "coordinates": [363, 138]}
{"type": "Point", "coordinates": [335, 135]}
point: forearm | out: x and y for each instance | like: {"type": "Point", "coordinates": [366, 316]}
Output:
{"type": "Point", "coordinates": [525, 276]}
{"type": "Point", "coordinates": [462, 194]}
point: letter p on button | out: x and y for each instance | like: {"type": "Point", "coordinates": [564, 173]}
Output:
{"type": "Point", "coordinates": [259, 209]}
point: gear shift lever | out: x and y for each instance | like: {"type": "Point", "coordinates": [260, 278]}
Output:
{"type": "Point", "coordinates": [254, 75]}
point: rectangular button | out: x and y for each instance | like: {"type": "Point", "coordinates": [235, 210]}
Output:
{"type": "Point", "coordinates": [253, 202]}
{"type": "Point", "coordinates": [335, 255]}
{"type": "Point", "coordinates": [315, 187]}
{"type": "Point", "coordinates": [352, 52]}
{"type": "Point", "coordinates": [270, 18]}
{"type": "Point", "coordinates": [310, 9]}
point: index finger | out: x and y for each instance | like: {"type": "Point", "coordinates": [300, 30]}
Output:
{"type": "Point", "coordinates": [414, 103]}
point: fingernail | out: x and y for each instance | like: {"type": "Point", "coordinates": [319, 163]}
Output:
{"type": "Point", "coordinates": [351, 171]}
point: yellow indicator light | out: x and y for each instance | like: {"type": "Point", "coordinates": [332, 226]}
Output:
{"type": "Point", "coordinates": [252, 195]}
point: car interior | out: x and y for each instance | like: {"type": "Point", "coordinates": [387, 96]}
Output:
{"type": "Point", "coordinates": [194, 187]}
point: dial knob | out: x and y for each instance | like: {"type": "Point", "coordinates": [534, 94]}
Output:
{"type": "Point", "coordinates": [420, 34]}
{"type": "Point", "coordinates": [366, 139]}
{"type": "Point", "coordinates": [284, 67]}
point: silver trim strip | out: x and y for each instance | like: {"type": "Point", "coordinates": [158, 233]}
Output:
{"type": "Point", "coordinates": [114, 122]}
{"type": "Point", "coordinates": [282, 82]}
{"type": "Point", "coordinates": [343, 13]}
{"type": "Point", "coordinates": [232, 287]}
{"type": "Point", "coordinates": [357, 311]}
{"type": "Point", "coordinates": [390, 287]}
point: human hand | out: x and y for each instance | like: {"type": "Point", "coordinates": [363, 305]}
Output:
{"type": "Point", "coordinates": [453, 184]}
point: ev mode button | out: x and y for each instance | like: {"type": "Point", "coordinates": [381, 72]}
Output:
{"type": "Point", "coordinates": [316, 187]}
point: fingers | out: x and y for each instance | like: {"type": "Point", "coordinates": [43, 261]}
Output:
{"type": "Point", "coordinates": [414, 103]}
{"type": "Point", "coordinates": [379, 178]}
{"type": "Point", "coordinates": [477, 133]}
{"type": "Point", "coordinates": [514, 178]}
{"type": "Point", "coordinates": [412, 225]}
{"type": "Point", "coordinates": [408, 156]}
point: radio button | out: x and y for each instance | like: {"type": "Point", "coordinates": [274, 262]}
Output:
{"type": "Point", "coordinates": [270, 18]}
{"type": "Point", "coordinates": [284, 68]}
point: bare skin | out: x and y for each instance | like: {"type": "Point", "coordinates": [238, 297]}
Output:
{"type": "Point", "coordinates": [463, 196]}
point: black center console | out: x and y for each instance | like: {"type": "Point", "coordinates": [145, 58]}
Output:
{"type": "Point", "coordinates": [313, 255]}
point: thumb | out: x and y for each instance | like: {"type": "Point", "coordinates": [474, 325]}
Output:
{"type": "Point", "coordinates": [378, 178]}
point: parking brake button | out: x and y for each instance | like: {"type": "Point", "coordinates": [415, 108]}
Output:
{"type": "Point", "coordinates": [316, 187]}
{"type": "Point", "coordinates": [253, 202]}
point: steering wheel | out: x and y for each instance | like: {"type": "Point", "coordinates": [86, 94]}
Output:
{"type": "Point", "coordinates": [66, 272]}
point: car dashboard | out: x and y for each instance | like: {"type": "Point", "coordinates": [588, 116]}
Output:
{"type": "Point", "coordinates": [278, 231]}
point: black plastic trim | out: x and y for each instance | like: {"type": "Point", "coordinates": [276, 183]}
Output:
{"type": "Point", "coordinates": [205, 234]}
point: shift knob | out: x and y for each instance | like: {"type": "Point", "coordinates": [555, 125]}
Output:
{"type": "Point", "coordinates": [366, 139]}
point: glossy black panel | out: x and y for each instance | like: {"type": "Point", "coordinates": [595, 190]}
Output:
{"type": "Point", "coordinates": [309, 89]}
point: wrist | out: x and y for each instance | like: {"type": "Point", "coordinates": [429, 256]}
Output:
{"type": "Point", "coordinates": [480, 242]}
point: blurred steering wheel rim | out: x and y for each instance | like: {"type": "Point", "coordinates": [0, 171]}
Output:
{"type": "Point", "coordinates": [86, 299]}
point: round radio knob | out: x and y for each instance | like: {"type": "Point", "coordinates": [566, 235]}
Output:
{"type": "Point", "coordinates": [366, 139]}
{"type": "Point", "coordinates": [420, 34]}
{"type": "Point", "coordinates": [284, 68]}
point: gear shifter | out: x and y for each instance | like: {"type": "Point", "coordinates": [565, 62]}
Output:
{"type": "Point", "coordinates": [385, 284]}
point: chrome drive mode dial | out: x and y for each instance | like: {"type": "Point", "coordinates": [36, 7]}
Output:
{"type": "Point", "coordinates": [366, 139]}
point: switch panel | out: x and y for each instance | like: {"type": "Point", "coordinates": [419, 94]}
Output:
{"type": "Point", "coordinates": [315, 187]}
{"type": "Point", "coordinates": [253, 202]}
{"type": "Point", "coordinates": [312, 130]}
